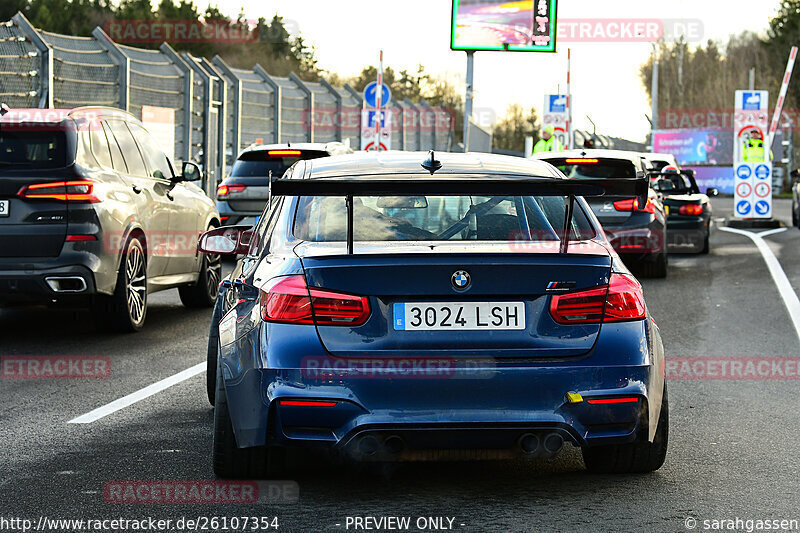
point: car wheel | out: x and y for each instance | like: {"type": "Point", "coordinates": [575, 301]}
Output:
{"type": "Point", "coordinates": [232, 462]}
{"type": "Point", "coordinates": [211, 356]}
{"type": "Point", "coordinates": [126, 309]}
{"type": "Point", "coordinates": [657, 268]}
{"type": "Point", "coordinates": [204, 292]}
{"type": "Point", "coordinates": [637, 457]}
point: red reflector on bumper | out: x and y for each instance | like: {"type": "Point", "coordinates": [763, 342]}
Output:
{"type": "Point", "coordinates": [78, 238]}
{"type": "Point", "coordinates": [303, 403]}
{"type": "Point", "coordinates": [613, 400]}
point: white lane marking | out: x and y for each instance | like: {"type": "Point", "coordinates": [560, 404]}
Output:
{"type": "Point", "coordinates": [771, 232]}
{"type": "Point", "coordinates": [141, 394]}
{"type": "Point", "coordinates": [778, 275]}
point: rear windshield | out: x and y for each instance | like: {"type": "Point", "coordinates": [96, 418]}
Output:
{"type": "Point", "coordinates": [594, 167]}
{"type": "Point", "coordinates": [32, 148]}
{"type": "Point", "coordinates": [436, 218]}
{"type": "Point", "coordinates": [258, 163]}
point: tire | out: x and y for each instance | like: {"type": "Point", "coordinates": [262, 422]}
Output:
{"type": "Point", "coordinates": [211, 356]}
{"type": "Point", "coordinates": [126, 309]}
{"type": "Point", "coordinates": [657, 268]}
{"type": "Point", "coordinates": [633, 458]}
{"type": "Point", "coordinates": [795, 218]}
{"type": "Point", "coordinates": [232, 462]}
{"type": "Point", "coordinates": [204, 292]}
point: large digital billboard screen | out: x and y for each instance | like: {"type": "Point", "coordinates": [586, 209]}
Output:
{"type": "Point", "coordinates": [516, 26]}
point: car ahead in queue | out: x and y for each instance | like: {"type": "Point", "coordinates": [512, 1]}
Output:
{"type": "Point", "coordinates": [636, 229]}
{"type": "Point", "coordinates": [241, 197]}
{"type": "Point", "coordinates": [470, 307]}
{"type": "Point", "coordinates": [656, 162]}
{"type": "Point", "coordinates": [795, 177]}
{"type": "Point", "coordinates": [92, 214]}
{"type": "Point", "coordinates": [688, 210]}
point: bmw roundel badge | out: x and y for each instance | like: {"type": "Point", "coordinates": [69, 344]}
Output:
{"type": "Point", "coordinates": [460, 279]}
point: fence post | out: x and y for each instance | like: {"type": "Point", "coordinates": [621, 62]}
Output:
{"type": "Point", "coordinates": [123, 63]}
{"type": "Point", "coordinates": [46, 56]}
{"type": "Point", "coordinates": [222, 114]}
{"type": "Point", "coordinates": [339, 107]}
{"type": "Point", "coordinates": [429, 111]}
{"type": "Point", "coordinates": [188, 98]}
{"type": "Point", "coordinates": [236, 137]}
{"type": "Point", "coordinates": [277, 95]}
{"type": "Point", "coordinates": [360, 99]}
{"type": "Point", "coordinates": [418, 113]}
{"type": "Point", "coordinates": [310, 95]}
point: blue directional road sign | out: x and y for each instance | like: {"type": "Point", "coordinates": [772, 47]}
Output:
{"type": "Point", "coordinates": [372, 114]}
{"type": "Point", "coordinates": [743, 207]}
{"type": "Point", "coordinates": [370, 94]}
{"type": "Point", "coordinates": [762, 207]}
{"type": "Point", "coordinates": [743, 172]}
{"type": "Point", "coordinates": [762, 172]}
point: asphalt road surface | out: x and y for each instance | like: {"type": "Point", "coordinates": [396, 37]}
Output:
{"type": "Point", "coordinates": [733, 446]}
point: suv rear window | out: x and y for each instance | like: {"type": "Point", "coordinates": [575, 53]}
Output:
{"type": "Point", "coordinates": [32, 147]}
{"type": "Point", "coordinates": [593, 167]}
{"type": "Point", "coordinates": [258, 163]}
{"type": "Point", "coordinates": [437, 218]}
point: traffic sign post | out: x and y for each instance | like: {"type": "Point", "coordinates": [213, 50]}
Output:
{"type": "Point", "coordinates": [556, 107]}
{"type": "Point", "coordinates": [376, 124]}
{"type": "Point", "coordinates": [752, 196]}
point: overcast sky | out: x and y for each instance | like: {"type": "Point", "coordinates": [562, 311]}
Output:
{"type": "Point", "coordinates": [605, 76]}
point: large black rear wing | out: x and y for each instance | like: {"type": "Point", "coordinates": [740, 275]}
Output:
{"type": "Point", "coordinates": [460, 185]}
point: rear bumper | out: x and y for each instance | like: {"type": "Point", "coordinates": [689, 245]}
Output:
{"type": "Point", "coordinates": [44, 283]}
{"type": "Point", "coordinates": [687, 233]}
{"type": "Point", "coordinates": [451, 405]}
{"type": "Point", "coordinates": [643, 236]}
{"type": "Point", "coordinates": [232, 216]}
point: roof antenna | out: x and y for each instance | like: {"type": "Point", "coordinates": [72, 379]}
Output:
{"type": "Point", "coordinates": [431, 164]}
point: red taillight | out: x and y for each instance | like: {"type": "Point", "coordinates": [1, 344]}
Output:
{"type": "Point", "coordinates": [304, 403]}
{"type": "Point", "coordinates": [64, 191]}
{"type": "Point", "coordinates": [225, 190]}
{"type": "Point", "coordinates": [691, 209]}
{"type": "Point", "coordinates": [288, 299]}
{"type": "Point", "coordinates": [621, 300]}
{"type": "Point", "coordinates": [80, 238]}
{"type": "Point", "coordinates": [613, 400]}
{"type": "Point", "coordinates": [632, 204]}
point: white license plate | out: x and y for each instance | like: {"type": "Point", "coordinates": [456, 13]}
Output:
{"type": "Point", "coordinates": [4, 207]}
{"type": "Point", "coordinates": [458, 316]}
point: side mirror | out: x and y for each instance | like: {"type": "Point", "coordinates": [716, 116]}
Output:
{"type": "Point", "coordinates": [227, 240]}
{"type": "Point", "coordinates": [711, 191]}
{"type": "Point", "coordinates": [190, 172]}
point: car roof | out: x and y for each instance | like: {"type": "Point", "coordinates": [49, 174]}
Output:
{"type": "Point", "coordinates": [56, 116]}
{"type": "Point", "coordinates": [410, 163]}
{"type": "Point", "coordinates": [597, 153]}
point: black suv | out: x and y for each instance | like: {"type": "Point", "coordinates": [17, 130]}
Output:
{"type": "Point", "coordinates": [92, 213]}
{"type": "Point", "coordinates": [241, 197]}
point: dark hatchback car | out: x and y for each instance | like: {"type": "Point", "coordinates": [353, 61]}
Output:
{"type": "Point", "coordinates": [637, 232]}
{"type": "Point", "coordinates": [390, 307]}
{"type": "Point", "coordinates": [241, 197]}
{"type": "Point", "coordinates": [688, 210]}
{"type": "Point", "coordinates": [92, 214]}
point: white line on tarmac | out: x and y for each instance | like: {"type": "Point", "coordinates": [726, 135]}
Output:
{"type": "Point", "coordinates": [778, 275]}
{"type": "Point", "coordinates": [141, 394]}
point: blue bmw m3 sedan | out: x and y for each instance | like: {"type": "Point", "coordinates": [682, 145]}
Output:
{"type": "Point", "coordinates": [408, 306]}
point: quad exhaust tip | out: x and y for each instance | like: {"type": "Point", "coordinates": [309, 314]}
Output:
{"type": "Point", "coordinates": [66, 284]}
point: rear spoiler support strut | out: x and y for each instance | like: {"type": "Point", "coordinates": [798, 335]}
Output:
{"type": "Point", "coordinates": [569, 204]}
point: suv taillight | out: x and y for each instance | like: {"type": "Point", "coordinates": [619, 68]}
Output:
{"type": "Point", "coordinates": [65, 191]}
{"type": "Point", "coordinates": [289, 300]}
{"type": "Point", "coordinates": [225, 190]}
{"type": "Point", "coordinates": [621, 300]}
{"type": "Point", "coordinates": [632, 204]}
